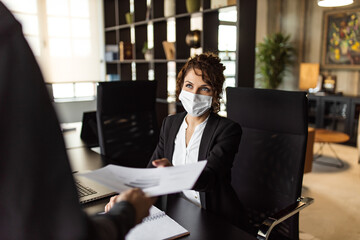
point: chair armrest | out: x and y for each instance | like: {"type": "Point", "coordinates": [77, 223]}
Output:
{"type": "Point", "coordinates": [269, 223]}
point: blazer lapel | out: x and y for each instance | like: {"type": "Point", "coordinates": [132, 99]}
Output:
{"type": "Point", "coordinates": [174, 128]}
{"type": "Point", "coordinates": [208, 135]}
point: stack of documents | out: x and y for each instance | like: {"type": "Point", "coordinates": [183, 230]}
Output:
{"type": "Point", "coordinates": [153, 181]}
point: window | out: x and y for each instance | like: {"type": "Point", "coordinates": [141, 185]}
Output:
{"type": "Point", "coordinates": [65, 38]}
{"type": "Point", "coordinates": [227, 49]}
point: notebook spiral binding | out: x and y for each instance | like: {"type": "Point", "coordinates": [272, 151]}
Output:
{"type": "Point", "coordinates": [154, 216]}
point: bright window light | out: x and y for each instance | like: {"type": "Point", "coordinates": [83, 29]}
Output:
{"type": "Point", "coordinates": [230, 68]}
{"type": "Point", "coordinates": [27, 6]}
{"type": "Point", "coordinates": [57, 8]}
{"type": "Point", "coordinates": [228, 14]}
{"type": "Point", "coordinates": [227, 38]}
{"type": "Point", "coordinates": [34, 43]}
{"type": "Point", "coordinates": [81, 48]}
{"type": "Point", "coordinates": [63, 90]}
{"type": "Point", "coordinates": [79, 8]}
{"type": "Point", "coordinates": [84, 89]}
{"type": "Point", "coordinates": [196, 23]}
{"type": "Point", "coordinates": [58, 27]}
{"type": "Point", "coordinates": [150, 36]}
{"type": "Point", "coordinates": [151, 75]}
{"type": "Point", "coordinates": [29, 23]}
{"type": "Point", "coordinates": [230, 82]}
{"type": "Point", "coordinates": [80, 28]}
{"type": "Point", "coordinates": [60, 47]}
{"type": "Point", "coordinates": [171, 34]}
{"type": "Point", "coordinates": [171, 81]}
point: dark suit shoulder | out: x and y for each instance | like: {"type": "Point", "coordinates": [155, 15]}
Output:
{"type": "Point", "coordinates": [175, 118]}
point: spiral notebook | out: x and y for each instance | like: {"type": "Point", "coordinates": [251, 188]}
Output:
{"type": "Point", "coordinates": [157, 225]}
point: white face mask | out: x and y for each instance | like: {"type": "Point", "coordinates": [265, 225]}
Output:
{"type": "Point", "coordinates": [195, 104]}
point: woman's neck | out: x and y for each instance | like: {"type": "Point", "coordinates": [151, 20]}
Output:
{"type": "Point", "coordinates": [194, 121]}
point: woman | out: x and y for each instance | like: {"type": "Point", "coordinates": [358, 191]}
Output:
{"type": "Point", "coordinates": [199, 134]}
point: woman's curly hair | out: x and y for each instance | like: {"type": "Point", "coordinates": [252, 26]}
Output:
{"type": "Point", "coordinates": [212, 73]}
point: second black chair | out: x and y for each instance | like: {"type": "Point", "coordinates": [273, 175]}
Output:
{"type": "Point", "coordinates": [126, 119]}
{"type": "Point", "coordinates": [268, 169]}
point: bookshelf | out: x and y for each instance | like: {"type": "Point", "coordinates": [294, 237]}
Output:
{"type": "Point", "coordinates": [117, 29]}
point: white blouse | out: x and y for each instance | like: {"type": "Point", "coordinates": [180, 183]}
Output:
{"type": "Point", "coordinates": [188, 154]}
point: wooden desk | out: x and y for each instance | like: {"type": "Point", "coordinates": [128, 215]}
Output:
{"type": "Point", "coordinates": [324, 136]}
{"type": "Point", "coordinates": [201, 224]}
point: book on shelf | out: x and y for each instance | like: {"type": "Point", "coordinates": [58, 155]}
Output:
{"type": "Point", "coordinates": [111, 52]}
{"type": "Point", "coordinates": [158, 225]}
{"type": "Point", "coordinates": [169, 49]}
{"type": "Point", "coordinates": [222, 3]}
{"type": "Point", "coordinates": [126, 50]}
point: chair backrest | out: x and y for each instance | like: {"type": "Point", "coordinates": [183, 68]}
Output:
{"type": "Point", "coordinates": [89, 132]}
{"type": "Point", "coordinates": [126, 119]}
{"type": "Point", "coordinates": [268, 169]}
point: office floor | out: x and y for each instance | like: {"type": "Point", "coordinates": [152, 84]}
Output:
{"type": "Point", "coordinates": [335, 214]}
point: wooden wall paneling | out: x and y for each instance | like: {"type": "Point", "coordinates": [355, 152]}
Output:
{"type": "Point", "coordinates": [124, 35]}
{"type": "Point", "coordinates": [161, 77]}
{"type": "Point", "coordinates": [112, 68]}
{"type": "Point", "coordinates": [210, 34]}
{"type": "Point", "coordinates": [182, 29]}
{"type": "Point", "coordinates": [140, 39]}
{"type": "Point", "coordinates": [125, 72]}
{"type": "Point", "coordinates": [180, 7]}
{"type": "Point", "coordinates": [245, 53]}
{"type": "Point", "coordinates": [140, 10]}
{"type": "Point", "coordinates": [142, 71]}
{"type": "Point", "coordinates": [157, 8]}
{"type": "Point", "coordinates": [206, 4]}
{"type": "Point", "coordinates": [110, 16]}
{"type": "Point", "coordinates": [160, 35]}
{"type": "Point", "coordinates": [111, 37]}
{"type": "Point", "coordinates": [162, 107]}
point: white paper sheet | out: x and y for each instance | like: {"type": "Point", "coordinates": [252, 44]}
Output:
{"type": "Point", "coordinates": [153, 181]}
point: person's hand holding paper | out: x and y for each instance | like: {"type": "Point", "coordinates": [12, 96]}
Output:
{"type": "Point", "coordinates": [153, 181]}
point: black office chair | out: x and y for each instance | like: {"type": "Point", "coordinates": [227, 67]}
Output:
{"type": "Point", "coordinates": [268, 169]}
{"type": "Point", "coordinates": [89, 132]}
{"type": "Point", "coordinates": [126, 119]}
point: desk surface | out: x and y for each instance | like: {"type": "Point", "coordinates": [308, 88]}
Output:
{"type": "Point", "coordinates": [200, 223]}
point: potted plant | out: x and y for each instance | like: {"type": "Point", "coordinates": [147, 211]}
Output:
{"type": "Point", "coordinates": [147, 52]}
{"type": "Point", "coordinates": [273, 57]}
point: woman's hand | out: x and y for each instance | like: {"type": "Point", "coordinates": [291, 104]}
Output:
{"type": "Point", "coordinates": [163, 162]}
{"type": "Point", "coordinates": [135, 197]}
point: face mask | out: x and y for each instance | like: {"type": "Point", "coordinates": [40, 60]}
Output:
{"type": "Point", "coordinates": [195, 104]}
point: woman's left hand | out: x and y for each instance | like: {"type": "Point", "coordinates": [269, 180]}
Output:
{"type": "Point", "coordinates": [163, 162]}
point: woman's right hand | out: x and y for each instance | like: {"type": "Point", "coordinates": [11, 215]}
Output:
{"type": "Point", "coordinates": [163, 162]}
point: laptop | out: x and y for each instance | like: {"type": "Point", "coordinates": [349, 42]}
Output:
{"type": "Point", "coordinates": [89, 191]}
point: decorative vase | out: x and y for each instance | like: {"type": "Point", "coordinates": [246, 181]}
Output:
{"type": "Point", "coordinates": [169, 8]}
{"type": "Point", "coordinates": [129, 17]}
{"type": "Point", "coordinates": [148, 55]}
{"type": "Point", "coordinates": [192, 5]}
{"type": "Point", "coordinates": [193, 39]}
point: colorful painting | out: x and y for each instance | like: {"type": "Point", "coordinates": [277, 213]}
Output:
{"type": "Point", "coordinates": [341, 46]}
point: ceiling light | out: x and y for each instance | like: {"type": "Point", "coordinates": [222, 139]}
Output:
{"type": "Point", "coordinates": [334, 3]}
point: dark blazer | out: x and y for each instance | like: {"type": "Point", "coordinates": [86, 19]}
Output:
{"type": "Point", "coordinates": [219, 144]}
{"type": "Point", "coordinates": [38, 194]}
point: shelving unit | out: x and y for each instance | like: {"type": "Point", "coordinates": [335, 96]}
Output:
{"type": "Point", "coordinates": [116, 30]}
{"type": "Point", "coordinates": [339, 113]}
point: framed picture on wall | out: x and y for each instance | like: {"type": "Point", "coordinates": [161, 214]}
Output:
{"type": "Point", "coordinates": [341, 39]}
